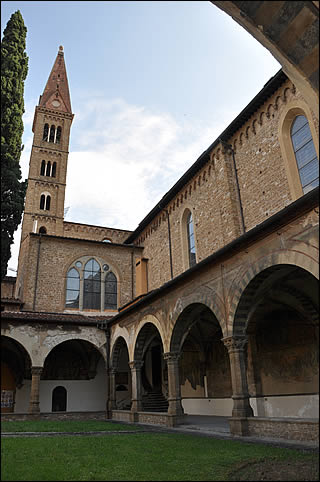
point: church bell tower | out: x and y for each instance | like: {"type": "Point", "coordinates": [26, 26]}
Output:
{"type": "Point", "coordinates": [44, 205]}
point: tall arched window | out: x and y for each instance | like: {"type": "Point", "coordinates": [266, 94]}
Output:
{"type": "Point", "coordinates": [52, 133]}
{"type": "Point", "coordinates": [54, 169]}
{"type": "Point", "coordinates": [42, 201]}
{"type": "Point", "coordinates": [58, 135]}
{"type": "Point", "coordinates": [73, 289]}
{"type": "Point", "coordinates": [48, 202]}
{"type": "Point", "coordinates": [305, 153]}
{"type": "Point", "coordinates": [110, 296]}
{"type": "Point", "coordinates": [191, 241]}
{"type": "Point", "coordinates": [43, 168]}
{"type": "Point", "coordinates": [48, 170]}
{"type": "Point", "coordinates": [45, 132]}
{"type": "Point", "coordinates": [92, 286]}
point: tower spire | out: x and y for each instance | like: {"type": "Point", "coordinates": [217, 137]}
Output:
{"type": "Point", "coordinates": [56, 94]}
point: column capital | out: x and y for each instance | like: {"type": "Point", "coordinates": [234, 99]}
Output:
{"type": "Point", "coordinates": [172, 356]}
{"type": "Point", "coordinates": [136, 364]}
{"type": "Point", "coordinates": [36, 370]}
{"type": "Point", "coordinates": [235, 343]}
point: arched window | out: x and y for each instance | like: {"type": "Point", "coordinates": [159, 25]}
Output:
{"type": "Point", "coordinates": [42, 230]}
{"type": "Point", "coordinates": [58, 135]}
{"type": "Point", "coordinates": [305, 153]}
{"type": "Point", "coordinates": [191, 241]}
{"type": "Point", "coordinates": [73, 289]}
{"type": "Point", "coordinates": [54, 169]}
{"type": "Point", "coordinates": [42, 201]}
{"type": "Point", "coordinates": [110, 296]}
{"type": "Point", "coordinates": [45, 132]}
{"type": "Point", "coordinates": [48, 201]}
{"type": "Point", "coordinates": [92, 286]}
{"type": "Point", "coordinates": [43, 168]}
{"type": "Point", "coordinates": [48, 170]}
{"type": "Point", "coordinates": [52, 133]}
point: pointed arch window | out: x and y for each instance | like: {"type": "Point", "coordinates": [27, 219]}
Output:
{"type": "Point", "coordinates": [43, 168]}
{"type": "Point", "coordinates": [73, 289]}
{"type": "Point", "coordinates": [48, 170]}
{"type": "Point", "coordinates": [52, 133]}
{"type": "Point", "coordinates": [305, 153]}
{"type": "Point", "coordinates": [191, 241]}
{"type": "Point", "coordinates": [58, 135]}
{"type": "Point", "coordinates": [45, 132]}
{"type": "Point", "coordinates": [93, 284]}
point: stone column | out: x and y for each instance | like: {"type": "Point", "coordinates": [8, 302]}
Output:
{"type": "Point", "coordinates": [112, 393]}
{"type": "Point", "coordinates": [236, 346]}
{"type": "Point", "coordinates": [175, 409]}
{"type": "Point", "coordinates": [34, 406]}
{"type": "Point", "coordinates": [136, 385]}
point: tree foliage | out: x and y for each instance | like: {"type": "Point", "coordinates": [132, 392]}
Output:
{"type": "Point", "coordinates": [14, 69]}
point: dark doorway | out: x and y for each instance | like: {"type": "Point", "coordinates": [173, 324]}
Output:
{"type": "Point", "coordinates": [59, 399]}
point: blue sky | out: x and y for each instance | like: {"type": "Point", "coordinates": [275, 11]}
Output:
{"type": "Point", "coordinates": [152, 85]}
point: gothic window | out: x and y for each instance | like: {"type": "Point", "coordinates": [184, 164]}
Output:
{"type": "Point", "coordinates": [110, 297]}
{"type": "Point", "coordinates": [48, 170]}
{"type": "Point", "coordinates": [191, 241]}
{"type": "Point", "coordinates": [73, 289]}
{"type": "Point", "coordinates": [91, 285]}
{"type": "Point", "coordinates": [52, 133]}
{"type": "Point", "coordinates": [58, 135]}
{"type": "Point", "coordinates": [43, 168]}
{"type": "Point", "coordinates": [54, 169]}
{"type": "Point", "coordinates": [45, 132]}
{"type": "Point", "coordinates": [305, 154]}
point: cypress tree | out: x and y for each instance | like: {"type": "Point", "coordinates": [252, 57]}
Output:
{"type": "Point", "coordinates": [14, 69]}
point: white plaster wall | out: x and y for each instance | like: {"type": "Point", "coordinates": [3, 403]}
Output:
{"type": "Point", "coordinates": [300, 406]}
{"type": "Point", "coordinates": [208, 406]}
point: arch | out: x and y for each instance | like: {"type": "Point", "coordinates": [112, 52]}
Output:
{"type": "Point", "coordinates": [45, 136]}
{"type": "Point", "coordinates": [138, 344]}
{"type": "Point", "coordinates": [58, 135]}
{"type": "Point", "coordinates": [291, 111]}
{"type": "Point", "coordinates": [52, 132]}
{"type": "Point", "coordinates": [118, 344]}
{"type": "Point", "coordinates": [259, 272]}
{"type": "Point", "coordinates": [48, 169]}
{"type": "Point", "coordinates": [54, 169]}
{"type": "Point", "coordinates": [59, 399]}
{"type": "Point", "coordinates": [42, 230]}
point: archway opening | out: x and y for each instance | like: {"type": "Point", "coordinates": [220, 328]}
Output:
{"type": "Point", "coordinates": [15, 376]}
{"type": "Point", "coordinates": [82, 368]}
{"type": "Point", "coordinates": [283, 342]}
{"type": "Point", "coordinates": [204, 367]}
{"type": "Point", "coordinates": [120, 363]}
{"type": "Point", "coordinates": [154, 375]}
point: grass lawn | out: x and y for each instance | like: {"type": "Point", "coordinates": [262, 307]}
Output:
{"type": "Point", "coordinates": [133, 457]}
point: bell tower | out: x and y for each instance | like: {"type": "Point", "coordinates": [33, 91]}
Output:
{"type": "Point", "coordinates": [44, 204]}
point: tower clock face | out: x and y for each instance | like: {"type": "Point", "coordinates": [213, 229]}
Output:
{"type": "Point", "coordinates": [55, 103]}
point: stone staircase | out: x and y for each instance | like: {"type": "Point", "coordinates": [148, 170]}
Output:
{"type": "Point", "coordinates": [154, 401]}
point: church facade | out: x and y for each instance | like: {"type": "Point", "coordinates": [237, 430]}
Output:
{"type": "Point", "coordinates": [209, 307]}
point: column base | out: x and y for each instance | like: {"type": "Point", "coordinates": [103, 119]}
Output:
{"type": "Point", "coordinates": [239, 426]}
{"type": "Point", "coordinates": [174, 420]}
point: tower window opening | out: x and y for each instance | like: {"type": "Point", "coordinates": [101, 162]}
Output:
{"type": "Point", "coordinates": [42, 201]}
{"type": "Point", "coordinates": [54, 169]}
{"type": "Point", "coordinates": [48, 201]}
{"type": "Point", "coordinates": [48, 171]}
{"type": "Point", "coordinates": [43, 168]}
{"type": "Point", "coordinates": [42, 230]}
{"type": "Point", "coordinates": [46, 133]}
{"type": "Point", "coordinates": [52, 133]}
{"type": "Point", "coordinates": [58, 135]}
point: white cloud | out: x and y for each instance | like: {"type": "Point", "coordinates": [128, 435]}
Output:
{"type": "Point", "coordinates": [123, 159]}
